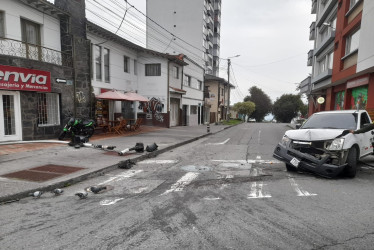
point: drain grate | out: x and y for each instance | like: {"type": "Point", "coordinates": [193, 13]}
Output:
{"type": "Point", "coordinates": [42, 173]}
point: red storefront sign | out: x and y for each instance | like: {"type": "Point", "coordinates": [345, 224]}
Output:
{"type": "Point", "coordinates": [14, 78]}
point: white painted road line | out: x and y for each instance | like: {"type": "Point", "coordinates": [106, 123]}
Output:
{"type": "Point", "coordinates": [299, 190]}
{"type": "Point", "coordinates": [249, 161]}
{"type": "Point", "coordinates": [219, 143]}
{"type": "Point", "coordinates": [182, 182]}
{"type": "Point", "coordinates": [229, 176]}
{"type": "Point", "coordinates": [110, 202]}
{"type": "Point", "coordinates": [122, 176]}
{"type": "Point", "coordinates": [257, 191]}
{"type": "Point", "coordinates": [158, 162]}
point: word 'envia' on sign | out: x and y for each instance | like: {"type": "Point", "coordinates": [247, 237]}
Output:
{"type": "Point", "coordinates": [25, 78]}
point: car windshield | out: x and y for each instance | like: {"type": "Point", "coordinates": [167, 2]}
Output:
{"type": "Point", "coordinates": [332, 121]}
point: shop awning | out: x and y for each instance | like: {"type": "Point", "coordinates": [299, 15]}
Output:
{"type": "Point", "coordinates": [176, 90]}
{"type": "Point", "coordinates": [112, 95]}
{"type": "Point", "coordinates": [130, 96]}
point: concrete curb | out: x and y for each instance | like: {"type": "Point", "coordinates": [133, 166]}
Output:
{"type": "Point", "coordinates": [61, 184]}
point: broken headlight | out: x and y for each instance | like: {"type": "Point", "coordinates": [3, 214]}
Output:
{"type": "Point", "coordinates": [336, 144]}
{"type": "Point", "coordinates": [285, 140]}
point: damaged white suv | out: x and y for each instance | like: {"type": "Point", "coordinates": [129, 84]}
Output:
{"type": "Point", "coordinates": [324, 146]}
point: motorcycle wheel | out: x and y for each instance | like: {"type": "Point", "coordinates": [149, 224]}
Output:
{"type": "Point", "coordinates": [89, 131]}
{"type": "Point", "coordinates": [62, 135]}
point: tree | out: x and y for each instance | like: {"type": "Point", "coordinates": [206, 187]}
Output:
{"type": "Point", "coordinates": [261, 100]}
{"type": "Point", "coordinates": [244, 108]}
{"type": "Point", "coordinates": [287, 107]}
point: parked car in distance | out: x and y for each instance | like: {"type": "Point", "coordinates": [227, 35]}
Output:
{"type": "Point", "coordinates": [323, 144]}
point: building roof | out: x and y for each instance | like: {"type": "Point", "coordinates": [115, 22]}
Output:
{"type": "Point", "coordinates": [210, 78]}
{"type": "Point", "coordinates": [45, 7]}
{"type": "Point", "coordinates": [94, 28]}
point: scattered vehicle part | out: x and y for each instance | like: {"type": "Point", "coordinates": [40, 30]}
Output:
{"type": "Point", "coordinates": [151, 148]}
{"type": "Point", "coordinates": [127, 164]}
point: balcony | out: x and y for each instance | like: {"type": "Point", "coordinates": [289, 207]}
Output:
{"type": "Point", "coordinates": [10, 47]}
{"type": "Point", "coordinates": [310, 58]}
{"type": "Point", "coordinates": [329, 6]}
{"type": "Point", "coordinates": [305, 86]}
{"type": "Point", "coordinates": [327, 40]}
{"type": "Point", "coordinates": [312, 33]}
{"type": "Point", "coordinates": [322, 76]}
{"type": "Point", "coordinates": [314, 7]}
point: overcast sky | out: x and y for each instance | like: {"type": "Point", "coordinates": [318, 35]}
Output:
{"type": "Point", "coordinates": [271, 37]}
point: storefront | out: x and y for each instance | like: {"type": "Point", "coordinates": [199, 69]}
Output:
{"type": "Point", "coordinates": [14, 81]}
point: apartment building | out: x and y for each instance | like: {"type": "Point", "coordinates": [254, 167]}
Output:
{"type": "Point", "coordinates": [194, 28]}
{"type": "Point", "coordinates": [342, 59]}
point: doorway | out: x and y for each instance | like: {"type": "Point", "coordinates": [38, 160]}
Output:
{"type": "Point", "coordinates": [10, 116]}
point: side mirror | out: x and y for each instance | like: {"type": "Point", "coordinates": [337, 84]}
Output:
{"type": "Point", "coordinates": [298, 126]}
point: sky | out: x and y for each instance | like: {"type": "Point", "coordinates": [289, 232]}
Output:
{"type": "Point", "coordinates": [271, 37]}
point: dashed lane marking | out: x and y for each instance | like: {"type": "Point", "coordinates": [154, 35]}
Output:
{"type": "Point", "coordinates": [182, 182]}
{"type": "Point", "coordinates": [110, 202]}
{"type": "Point", "coordinates": [121, 176]}
{"type": "Point", "coordinates": [257, 160]}
{"type": "Point", "coordinates": [219, 143]}
{"type": "Point", "coordinates": [158, 162]}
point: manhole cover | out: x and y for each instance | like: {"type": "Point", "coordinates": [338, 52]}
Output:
{"type": "Point", "coordinates": [42, 173]}
{"type": "Point", "coordinates": [191, 168]}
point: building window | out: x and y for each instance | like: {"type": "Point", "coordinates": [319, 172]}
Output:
{"type": "Point", "coordinates": [153, 69]}
{"type": "Point", "coordinates": [126, 64]}
{"type": "Point", "coordinates": [98, 62]}
{"type": "Point", "coordinates": [222, 92]}
{"type": "Point", "coordinates": [352, 42]}
{"type": "Point", "coordinates": [187, 80]}
{"type": "Point", "coordinates": [200, 85]}
{"type": "Point", "coordinates": [48, 109]}
{"type": "Point", "coordinates": [135, 67]}
{"type": "Point", "coordinates": [2, 24]}
{"type": "Point", "coordinates": [106, 65]}
{"type": "Point", "coordinates": [193, 110]}
{"type": "Point", "coordinates": [176, 72]}
{"type": "Point", "coordinates": [352, 3]}
{"type": "Point", "coordinates": [31, 38]}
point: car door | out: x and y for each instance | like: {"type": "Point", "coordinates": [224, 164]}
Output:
{"type": "Point", "coordinates": [365, 139]}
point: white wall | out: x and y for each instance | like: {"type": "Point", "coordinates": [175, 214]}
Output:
{"type": "Point", "coordinates": [366, 48]}
{"type": "Point", "coordinates": [15, 10]}
{"type": "Point", "coordinates": [119, 79]}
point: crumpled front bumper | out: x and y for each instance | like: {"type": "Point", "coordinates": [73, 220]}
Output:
{"type": "Point", "coordinates": [307, 161]}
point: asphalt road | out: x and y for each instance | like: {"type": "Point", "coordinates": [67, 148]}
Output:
{"type": "Point", "coordinates": [225, 191]}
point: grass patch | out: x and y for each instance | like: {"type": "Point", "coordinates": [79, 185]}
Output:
{"type": "Point", "coordinates": [232, 122]}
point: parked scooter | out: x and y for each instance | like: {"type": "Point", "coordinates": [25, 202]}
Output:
{"type": "Point", "coordinates": [76, 126]}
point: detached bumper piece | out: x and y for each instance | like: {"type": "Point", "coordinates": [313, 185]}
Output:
{"type": "Point", "coordinates": [307, 162]}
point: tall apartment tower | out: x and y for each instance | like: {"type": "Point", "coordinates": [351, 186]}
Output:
{"type": "Point", "coordinates": [186, 27]}
{"type": "Point", "coordinates": [343, 56]}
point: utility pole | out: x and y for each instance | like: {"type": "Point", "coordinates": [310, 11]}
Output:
{"type": "Point", "coordinates": [229, 90]}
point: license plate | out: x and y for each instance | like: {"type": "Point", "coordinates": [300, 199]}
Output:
{"type": "Point", "coordinates": [295, 162]}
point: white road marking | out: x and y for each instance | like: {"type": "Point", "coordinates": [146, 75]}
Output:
{"type": "Point", "coordinates": [140, 190]}
{"type": "Point", "coordinates": [110, 202]}
{"type": "Point", "coordinates": [158, 162]}
{"type": "Point", "coordinates": [182, 182]}
{"type": "Point", "coordinates": [122, 176]}
{"type": "Point", "coordinates": [257, 191]}
{"type": "Point", "coordinates": [229, 176]}
{"type": "Point", "coordinates": [299, 190]}
{"type": "Point", "coordinates": [249, 161]}
{"type": "Point", "coordinates": [212, 199]}
{"type": "Point", "coordinates": [219, 143]}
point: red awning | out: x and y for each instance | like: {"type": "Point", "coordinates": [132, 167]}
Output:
{"type": "Point", "coordinates": [130, 96]}
{"type": "Point", "coordinates": [112, 95]}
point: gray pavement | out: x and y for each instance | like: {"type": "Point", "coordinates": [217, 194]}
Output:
{"type": "Point", "coordinates": [94, 161]}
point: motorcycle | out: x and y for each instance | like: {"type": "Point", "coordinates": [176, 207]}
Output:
{"type": "Point", "coordinates": [77, 126]}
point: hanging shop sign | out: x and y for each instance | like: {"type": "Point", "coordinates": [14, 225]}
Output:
{"type": "Point", "coordinates": [14, 78]}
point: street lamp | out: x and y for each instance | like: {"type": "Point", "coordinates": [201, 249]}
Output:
{"type": "Point", "coordinates": [228, 81]}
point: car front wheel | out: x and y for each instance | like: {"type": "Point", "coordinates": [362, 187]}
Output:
{"type": "Point", "coordinates": [351, 169]}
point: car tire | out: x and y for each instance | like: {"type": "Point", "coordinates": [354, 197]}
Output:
{"type": "Point", "coordinates": [351, 169]}
{"type": "Point", "coordinates": [290, 168]}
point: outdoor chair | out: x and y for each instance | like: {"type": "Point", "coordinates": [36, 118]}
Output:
{"type": "Point", "coordinates": [137, 124]}
{"type": "Point", "coordinates": [120, 127]}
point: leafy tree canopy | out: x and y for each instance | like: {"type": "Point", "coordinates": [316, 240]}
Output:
{"type": "Point", "coordinates": [287, 107]}
{"type": "Point", "coordinates": [261, 100]}
{"type": "Point", "coordinates": [244, 108]}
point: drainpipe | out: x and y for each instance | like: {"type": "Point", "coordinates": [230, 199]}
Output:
{"type": "Point", "coordinates": [74, 76]}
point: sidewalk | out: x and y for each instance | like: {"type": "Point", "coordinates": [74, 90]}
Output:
{"type": "Point", "coordinates": [26, 167]}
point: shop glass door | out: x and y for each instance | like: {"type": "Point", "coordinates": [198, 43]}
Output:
{"type": "Point", "coordinates": [10, 122]}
